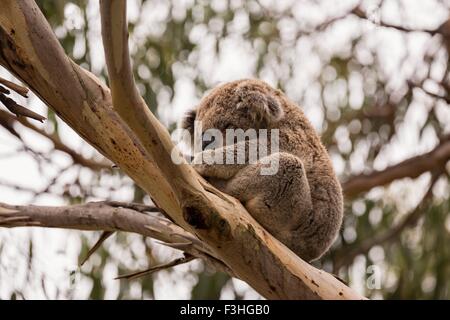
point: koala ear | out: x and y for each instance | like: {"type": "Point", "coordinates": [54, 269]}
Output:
{"type": "Point", "coordinates": [189, 119]}
{"type": "Point", "coordinates": [261, 106]}
{"type": "Point", "coordinates": [274, 108]}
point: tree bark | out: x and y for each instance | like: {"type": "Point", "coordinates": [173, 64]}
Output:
{"type": "Point", "coordinates": [123, 129]}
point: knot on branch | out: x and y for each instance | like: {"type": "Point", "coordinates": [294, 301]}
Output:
{"type": "Point", "coordinates": [195, 218]}
{"type": "Point", "coordinates": [204, 219]}
{"type": "Point", "coordinates": [9, 51]}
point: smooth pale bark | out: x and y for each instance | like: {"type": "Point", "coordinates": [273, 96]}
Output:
{"type": "Point", "coordinates": [130, 136]}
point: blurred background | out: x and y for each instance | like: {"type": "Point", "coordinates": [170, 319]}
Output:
{"type": "Point", "coordinates": [373, 78]}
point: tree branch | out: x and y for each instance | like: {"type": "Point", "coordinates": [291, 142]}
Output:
{"type": "Point", "coordinates": [361, 14]}
{"type": "Point", "coordinates": [157, 268]}
{"type": "Point", "coordinates": [15, 87]}
{"type": "Point", "coordinates": [19, 110]}
{"type": "Point", "coordinates": [131, 107]}
{"type": "Point", "coordinates": [391, 234]}
{"type": "Point", "coordinates": [98, 216]}
{"type": "Point", "coordinates": [410, 168]}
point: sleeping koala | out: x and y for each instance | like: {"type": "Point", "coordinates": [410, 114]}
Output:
{"type": "Point", "coordinates": [301, 202]}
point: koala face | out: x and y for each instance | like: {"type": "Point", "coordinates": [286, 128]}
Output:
{"type": "Point", "coordinates": [243, 104]}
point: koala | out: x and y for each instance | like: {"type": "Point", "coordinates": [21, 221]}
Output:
{"type": "Point", "coordinates": [301, 204]}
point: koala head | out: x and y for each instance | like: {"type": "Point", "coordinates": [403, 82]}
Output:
{"type": "Point", "coordinates": [243, 104]}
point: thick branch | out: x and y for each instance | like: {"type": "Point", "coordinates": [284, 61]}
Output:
{"type": "Point", "coordinates": [157, 268]}
{"type": "Point", "coordinates": [154, 137]}
{"type": "Point", "coordinates": [410, 168]}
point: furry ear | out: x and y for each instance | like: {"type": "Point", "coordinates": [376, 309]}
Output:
{"type": "Point", "coordinates": [189, 119]}
{"type": "Point", "coordinates": [259, 105]}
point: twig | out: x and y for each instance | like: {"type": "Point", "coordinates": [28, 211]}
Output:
{"type": "Point", "coordinates": [361, 14]}
{"type": "Point", "coordinates": [105, 235]}
{"type": "Point", "coordinates": [157, 268]}
{"type": "Point", "coordinates": [19, 110]}
{"type": "Point", "coordinates": [15, 87]}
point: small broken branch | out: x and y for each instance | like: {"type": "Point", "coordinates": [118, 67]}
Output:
{"type": "Point", "coordinates": [7, 119]}
{"type": "Point", "coordinates": [105, 235]}
{"type": "Point", "coordinates": [23, 91]}
{"type": "Point", "coordinates": [18, 110]}
{"type": "Point", "coordinates": [176, 262]}
{"type": "Point", "coordinates": [11, 105]}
